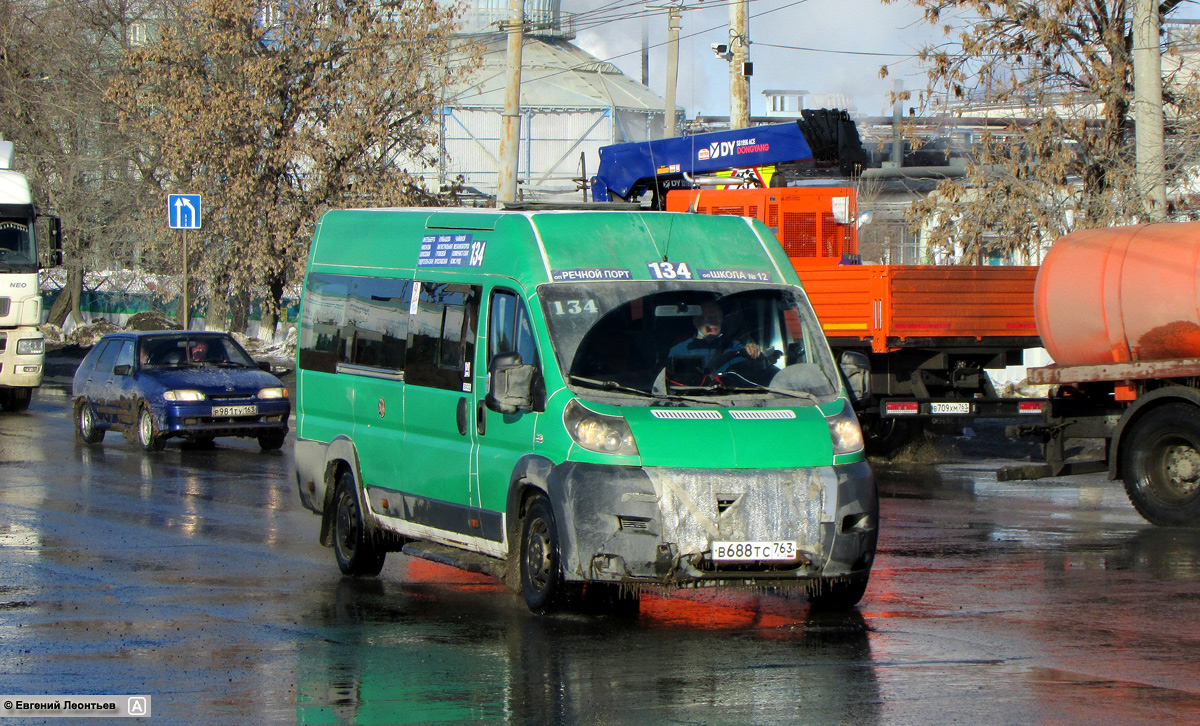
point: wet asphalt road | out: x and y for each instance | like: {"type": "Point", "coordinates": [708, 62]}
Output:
{"type": "Point", "coordinates": [195, 577]}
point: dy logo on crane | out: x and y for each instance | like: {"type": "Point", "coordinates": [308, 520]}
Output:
{"type": "Point", "coordinates": [183, 211]}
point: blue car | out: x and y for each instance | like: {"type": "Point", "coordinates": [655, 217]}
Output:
{"type": "Point", "coordinates": [156, 385]}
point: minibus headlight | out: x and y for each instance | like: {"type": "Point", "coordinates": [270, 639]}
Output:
{"type": "Point", "coordinates": [273, 393]}
{"type": "Point", "coordinates": [184, 395]}
{"type": "Point", "coordinates": [597, 432]}
{"type": "Point", "coordinates": [844, 432]}
{"type": "Point", "coordinates": [31, 346]}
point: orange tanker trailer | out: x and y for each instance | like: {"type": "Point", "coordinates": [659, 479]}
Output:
{"type": "Point", "coordinates": [1119, 311]}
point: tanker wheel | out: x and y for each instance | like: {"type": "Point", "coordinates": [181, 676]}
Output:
{"type": "Point", "coordinates": [1160, 465]}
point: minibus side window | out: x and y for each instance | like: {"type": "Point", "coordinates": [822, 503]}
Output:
{"type": "Point", "coordinates": [443, 335]}
{"type": "Point", "coordinates": [355, 320]}
{"type": "Point", "coordinates": [509, 328]}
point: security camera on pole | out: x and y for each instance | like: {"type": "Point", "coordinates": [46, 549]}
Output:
{"type": "Point", "coordinates": [183, 212]}
{"type": "Point", "coordinates": [740, 67]}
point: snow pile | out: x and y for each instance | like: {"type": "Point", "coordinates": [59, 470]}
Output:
{"type": "Point", "coordinates": [282, 350]}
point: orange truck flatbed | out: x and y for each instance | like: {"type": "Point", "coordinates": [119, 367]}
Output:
{"type": "Point", "coordinates": [899, 306]}
{"type": "Point", "coordinates": [930, 332]}
{"type": "Point", "coordinates": [888, 307]}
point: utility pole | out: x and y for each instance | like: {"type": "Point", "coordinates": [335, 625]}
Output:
{"type": "Point", "coordinates": [645, 51]}
{"type": "Point", "coordinates": [673, 25]}
{"type": "Point", "coordinates": [510, 119]}
{"type": "Point", "coordinates": [1147, 108]}
{"type": "Point", "coordinates": [739, 66]}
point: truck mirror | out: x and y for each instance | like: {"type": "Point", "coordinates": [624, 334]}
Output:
{"type": "Point", "coordinates": [856, 372]}
{"type": "Point", "coordinates": [511, 384]}
{"type": "Point", "coordinates": [53, 255]}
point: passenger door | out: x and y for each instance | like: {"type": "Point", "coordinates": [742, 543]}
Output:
{"type": "Point", "coordinates": [439, 409]}
{"type": "Point", "coordinates": [503, 439]}
{"type": "Point", "coordinates": [123, 390]}
{"type": "Point", "coordinates": [102, 393]}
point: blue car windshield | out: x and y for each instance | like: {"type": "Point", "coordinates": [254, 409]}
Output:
{"type": "Point", "coordinates": [179, 351]}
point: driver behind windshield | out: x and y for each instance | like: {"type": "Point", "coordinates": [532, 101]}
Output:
{"type": "Point", "coordinates": [711, 349]}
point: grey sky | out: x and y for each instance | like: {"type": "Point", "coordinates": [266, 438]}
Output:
{"type": "Point", "coordinates": [851, 40]}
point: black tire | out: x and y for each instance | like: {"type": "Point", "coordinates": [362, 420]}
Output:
{"type": "Point", "coordinates": [85, 423]}
{"type": "Point", "coordinates": [146, 431]}
{"type": "Point", "coordinates": [358, 554]}
{"type": "Point", "coordinates": [607, 598]}
{"type": "Point", "coordinates": [272, 440]}
{"type": "Point", "coordinates": [886, 435]}
{"type": "Point", "coordinates": [841, 594]}
{"type": "Point", "coordinates": [18, 399]}
{"type": "Point", "coordinates": [541, 566]}
{"type": "Point", "coordinates": [1160, 465]}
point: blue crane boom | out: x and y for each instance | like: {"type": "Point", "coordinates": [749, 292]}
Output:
{"type": "Point", "coordinates": [820, 139]}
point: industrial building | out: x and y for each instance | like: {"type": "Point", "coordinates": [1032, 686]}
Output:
{"type": "Point", "coordinates": [572, 103]}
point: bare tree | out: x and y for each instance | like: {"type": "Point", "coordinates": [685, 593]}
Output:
{"type": "Point", "coordinates": [1058, 75]}
{"type": "Point", "coordinates": [276, 111]}
{"type": "Point", "coordinates": [55, 60]}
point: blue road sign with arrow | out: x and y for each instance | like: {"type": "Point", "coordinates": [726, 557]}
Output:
{"type": "Point", "coordinates": [183, 211]}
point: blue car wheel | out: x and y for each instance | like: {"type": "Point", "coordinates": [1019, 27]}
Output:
{"type": "Point", "coordinates": [148, 436]}
{"type": "Point", "coordinates": [85, 423]}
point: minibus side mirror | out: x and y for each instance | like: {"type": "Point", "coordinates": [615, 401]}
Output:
{"type": "Point", "coordinates": [511, 384]}
{"type": "Point", "coordinates": [856, 371]}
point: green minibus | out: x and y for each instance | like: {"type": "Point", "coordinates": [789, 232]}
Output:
{"type": "Point", "coordinates": [587, 403]}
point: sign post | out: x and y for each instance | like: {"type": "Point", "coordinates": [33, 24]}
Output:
{"type": "Point", "coordinates": [183, 212]}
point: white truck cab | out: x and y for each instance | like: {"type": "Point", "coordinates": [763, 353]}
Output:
{"type": "Point", "coordinates": [22, 347]}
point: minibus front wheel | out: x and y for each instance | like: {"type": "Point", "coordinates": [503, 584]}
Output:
{"type": "Point", "coordinates": [840, 594]}
{"type": "Point", "coordinates": [357, 553]}
{"type": "Point", "coordinates": [541, 564]}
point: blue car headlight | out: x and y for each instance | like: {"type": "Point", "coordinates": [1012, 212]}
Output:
{"type": "Point", "coordinates": [184, 395]}
{"type": "Point", "coordinates": [273, 393]}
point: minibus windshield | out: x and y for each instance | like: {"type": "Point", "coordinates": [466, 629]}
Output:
{"type": "Point", "coordinates": [689, 342]}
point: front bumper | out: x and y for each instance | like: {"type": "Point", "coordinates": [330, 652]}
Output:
{"type": "Point", "coordinates": [656, 526]}
{"type": "Point", "coordinates": [20, 370]}
{"type": "Point", "coordinates": [184, 419]}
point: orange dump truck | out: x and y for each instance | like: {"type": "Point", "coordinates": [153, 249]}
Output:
{"type": "Point", "coordinates": [930, 331]}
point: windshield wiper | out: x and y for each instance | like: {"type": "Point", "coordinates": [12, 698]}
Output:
{"type": "Point", "coordinates": [767, 389]}
{"type": "Point", "coordinates": [619, 388]}
{"type": "Point", "coordinates": [611, 386]}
